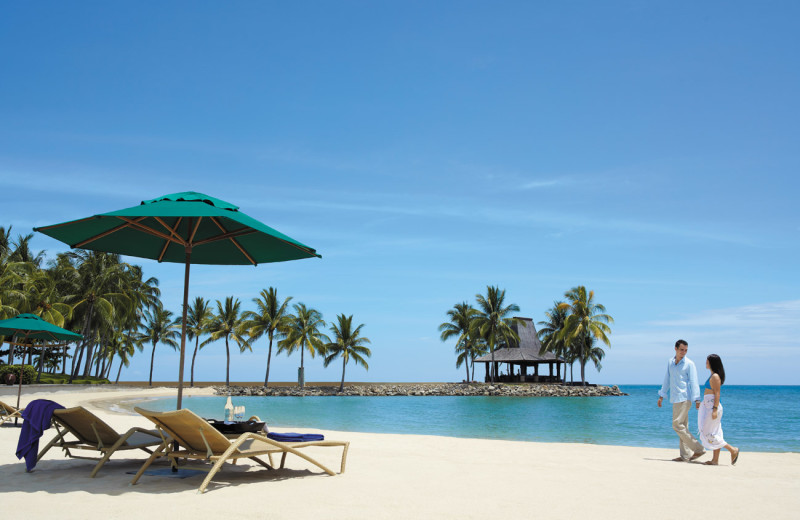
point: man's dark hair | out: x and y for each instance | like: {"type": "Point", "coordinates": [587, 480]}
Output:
{"type": "Point", "coordinates": [681, 342]}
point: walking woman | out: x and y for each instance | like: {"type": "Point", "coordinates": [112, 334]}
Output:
{"type": "Point", "coordinates": [709, 415]}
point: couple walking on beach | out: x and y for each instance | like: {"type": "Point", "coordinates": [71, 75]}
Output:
{"type": "Point", "coordinates": [680, 384]}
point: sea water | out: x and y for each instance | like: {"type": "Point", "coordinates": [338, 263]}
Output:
{"type": "Point", "coordinates": [756, 418]}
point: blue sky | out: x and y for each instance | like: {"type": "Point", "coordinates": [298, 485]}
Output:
{"type": "Point", "coordinates": [428, 149]}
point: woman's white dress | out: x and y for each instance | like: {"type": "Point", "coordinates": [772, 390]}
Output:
{"type": "Point", "coordinates": [710, 434]}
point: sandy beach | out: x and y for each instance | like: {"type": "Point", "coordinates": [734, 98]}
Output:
{"type": "Point", "coordinates": [394, 476]}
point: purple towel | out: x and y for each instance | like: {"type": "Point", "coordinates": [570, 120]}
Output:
{"type": "Point", "coordinates": [38, 415]}
{"type": "Point", "coordinates": [295, 437]}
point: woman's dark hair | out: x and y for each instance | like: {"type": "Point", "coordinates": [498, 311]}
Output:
{"type": "Point", "coordinates": [716, 366]}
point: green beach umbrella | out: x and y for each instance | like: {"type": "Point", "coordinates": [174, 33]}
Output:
{"type": "Point", "coordinates": [187, 228]}
{"type": "Point", "coordinates": [30, 327]}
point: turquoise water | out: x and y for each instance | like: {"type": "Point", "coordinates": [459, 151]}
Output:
{"type": "Point", "coordinates": [757, 418]}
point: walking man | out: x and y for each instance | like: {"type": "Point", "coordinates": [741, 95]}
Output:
{"type": "Point", "coordinates": [680, 382]}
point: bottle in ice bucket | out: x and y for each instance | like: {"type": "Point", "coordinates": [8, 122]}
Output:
{"type": "Point", "coordinates": [229, 410]}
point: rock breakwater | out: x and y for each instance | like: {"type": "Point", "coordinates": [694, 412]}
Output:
{"type": "Point", "coordinates": [426, 389]}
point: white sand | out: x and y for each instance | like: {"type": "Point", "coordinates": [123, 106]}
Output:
{"type": "Point", "coordinates": [403, 476]}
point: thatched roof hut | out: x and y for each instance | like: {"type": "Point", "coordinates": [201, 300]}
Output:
{"type": "Point", "coordinates": [520, 356]}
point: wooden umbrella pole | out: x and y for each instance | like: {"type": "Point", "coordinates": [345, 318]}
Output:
{"type": "Point", "coordinates": [183, 325]}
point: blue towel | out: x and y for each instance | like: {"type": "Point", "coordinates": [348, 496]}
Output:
{"type": "Point", "coordinates": [295, 437]}
{"type": "Point", "coordinates": [38, 415]}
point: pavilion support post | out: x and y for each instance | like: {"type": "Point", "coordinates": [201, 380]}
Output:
{"type": "Point", "coordinates": [183, 324]}
{"type": "Point", "coordinates": [486, 379]}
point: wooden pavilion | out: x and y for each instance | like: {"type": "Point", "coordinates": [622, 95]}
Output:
{"type": "Point", "coordinates": [518, 358]}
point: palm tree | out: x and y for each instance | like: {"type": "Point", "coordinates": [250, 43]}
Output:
{"type": "Point", "coordinates": [462, 325]}
{"type": "Point", "coordinates": [159, 327]}
{"type": "Point", "coordinates": [227, 323]}
{"type": "Point", "coordinates": [102, 284]}
{"type": "Point", "coordinates": [348, 343]}
{"type": "Point", "coordinates": [303, 333]}
{"type": "Point", "coordinates": [198, 320]}
{"type": "Point", "coordinates": [125, 353]}
{"type": "Point", "coordinates": [585, 319]}
{"type": "Point", "coordinates": [270, 318]}
{"type": "Point", "coordinates": [493, 320]}
{"type": "Point", "coordinates": [549, 333]}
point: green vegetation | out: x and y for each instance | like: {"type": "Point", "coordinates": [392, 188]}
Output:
{"type": "Point", "coordinates": [481, 330]}
{"type": "Point", "coordinates": [28, 373]}
{"type": "Point", "coordinates": [302, 333]}
{"type": "Point", "coordinates": [571, 330]}
{"type": "Point", "coordinates": [270, 318]}
{"type": "Point", "coordinates": [586, 322]}
{"type": "Point", "coordinates": [198, 321]}
{"type": "Point", "coordinates": [117, 311]}
{"type": "Point", "coordinates": [469, 345]}
{"type": "Point", "coordinates": [228, 323]}
{"type": "Point", "coordinates": [63, 379]}
{"type": "Point", "coordinates": [348, 344]}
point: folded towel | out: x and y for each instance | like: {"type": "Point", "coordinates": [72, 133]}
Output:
{"type": "Point", "coordinates": [38, 415]}
{"type": "Point", "coordinates": [295, 437]}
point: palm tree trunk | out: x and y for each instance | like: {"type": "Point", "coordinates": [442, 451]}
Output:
{"type": "Point", "coordinates": [41, 364]}
{"type": "Point", "coordinates": [87, 323]}
{"type": "Point", "coordinates": [116, 381]}
{"type": "Point", "coordinates": [152, 359]}
{"type": "Point", "coordinates": [473, 370]}
{"type": "Point", "coordinates": [228, 367]}
{"type": "Point", "coordinates": [269, 359]}
{"type": "Point", "coordinates": [89, 353]}
{"type": "Point", "coordinates": [76, 363]}
{"type": "Point", "coordinates": [344, 364]}
{"type": "Point", "coordinates": [191, 372]}
{"type": "Point", "coordinates": [583, 372]}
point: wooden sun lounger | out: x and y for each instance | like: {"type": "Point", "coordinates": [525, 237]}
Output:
{"type": "Point", "coordinates": [197, 439]}
{"type": "Point", "coordinates": [8, 412]}
{"type": "Point", "coordinates": [92, 434]}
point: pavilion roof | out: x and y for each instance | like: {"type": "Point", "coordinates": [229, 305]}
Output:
{"type": "Point", "coordinates": [527, 351]}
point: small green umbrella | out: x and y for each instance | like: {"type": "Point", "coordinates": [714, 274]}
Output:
{"type": "Point", "coordinates": [187, 228]}
{"type": "Point", "coordinates": [30, 326]}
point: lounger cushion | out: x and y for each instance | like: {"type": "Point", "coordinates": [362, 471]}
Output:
{"type": "Point", "coordinates": [295, 437]}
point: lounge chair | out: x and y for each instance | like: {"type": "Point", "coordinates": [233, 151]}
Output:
{"type": "Point", "coordinates": [92, 434]}
{"type": "Point", "coordinates": [197, 439]}
{"type": "Point", "coordinates": [8, 412]}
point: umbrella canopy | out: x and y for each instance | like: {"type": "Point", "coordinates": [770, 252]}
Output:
{"type": "Point", "coordinates": [162, 229]}
{"type": "Point", "coordinates": [188, 228]}
{"type": "Point", "coordinates": [30, 326]}
{"type": "Point", "coordinates": [33, 327]}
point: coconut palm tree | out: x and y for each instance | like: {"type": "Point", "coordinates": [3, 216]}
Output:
{"type": "Point", "coordinates": [102, 284]}
{"type": "Point", "coordinates": [462, 324]}
{"type": "Point", "coordinates": [125, 352]}
{"type": "Point", "coordinates": [493, 320]}
{"type": "Point", "coordinates": [585, 319]}
{"type": "Point", "coordinates": [549, 333]}
{"type": "Point", "coordinates": [270, 318]}
{"type": "Point", "coordinates": [348, 343]}
{"type": "Point", "coordinates": [227, 323]}
{"type": "Point", "coordinates": [159, 327]}
{"type": "Point", "coordinates": [302, 333]}
{"type": "Point", "coordinates": [198, 320]}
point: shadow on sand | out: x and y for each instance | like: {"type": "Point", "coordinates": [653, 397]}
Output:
{"type": "Point", "coordinates": [67, 476]}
